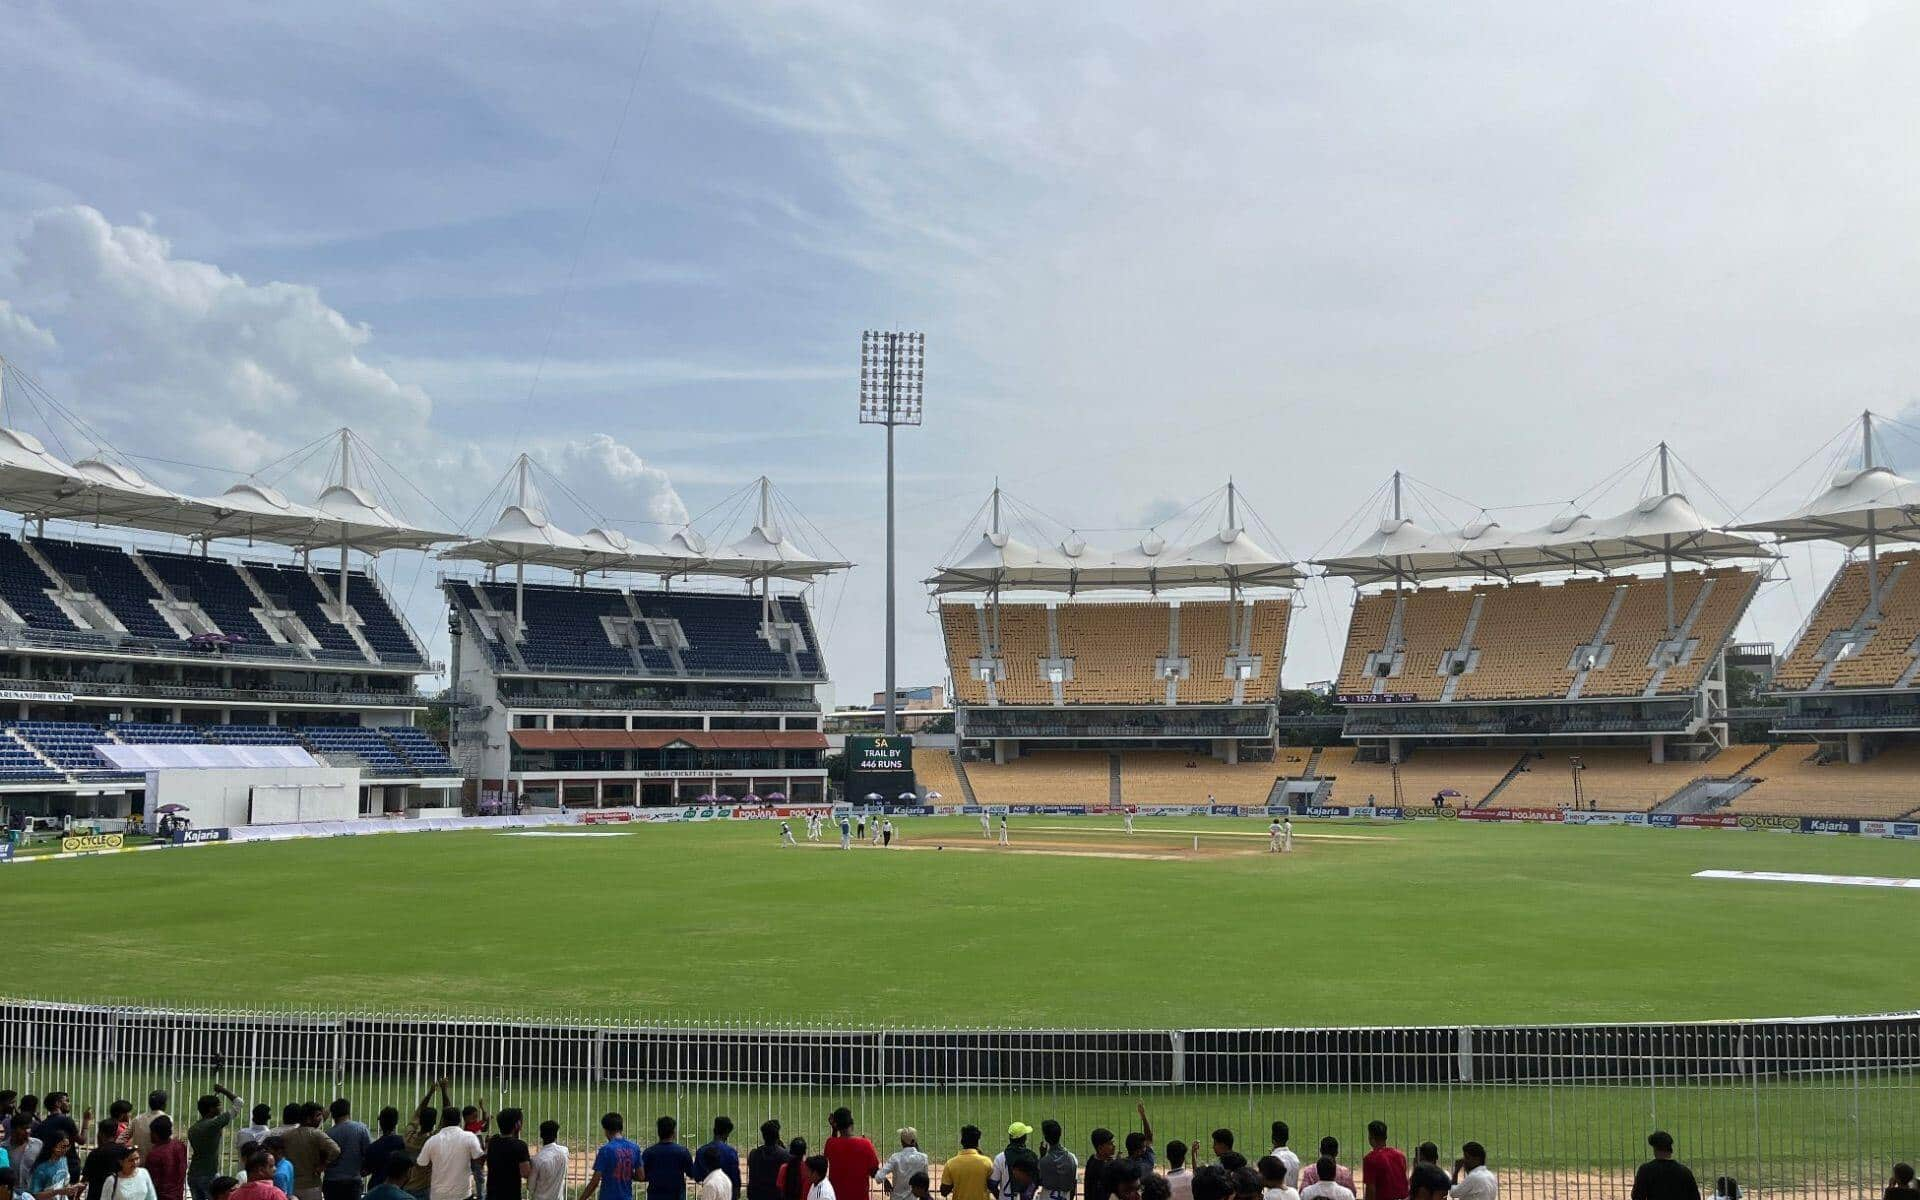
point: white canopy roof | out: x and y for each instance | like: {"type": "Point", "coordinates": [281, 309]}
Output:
{"type": "Point", "coordinates": [765, 553]}
{"type": "Point", "coordinates": [1229, 558]}
{"type": "Point", "coordinates": [1656, 529]}
{"type": "Point", "coordinates": [354, 519]}
{"type": "Point", "coordinates": [102, 492]}
{"type": "Point", "coordinates": [524, 535]}
{"type": "Point", "coordinates": [1872, 500]}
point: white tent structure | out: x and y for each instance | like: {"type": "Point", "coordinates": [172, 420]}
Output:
{"type": "Point", "coordinates": [1858, 509]}
{"type": "Point", "coordinates": [1662, 528]}
{"type": "Point", "coordinates": [1228, 558]}
{"type": "Point", "coordinates": [522, 534]}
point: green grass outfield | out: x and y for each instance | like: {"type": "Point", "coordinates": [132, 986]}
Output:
{"type": "Point", "coordinates": [1403, 923]}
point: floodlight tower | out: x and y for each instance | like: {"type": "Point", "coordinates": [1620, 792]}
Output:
{"type": "Point", "coordinates": [892, 375]}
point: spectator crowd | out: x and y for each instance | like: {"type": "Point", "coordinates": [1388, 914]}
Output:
{"type": "Point", "coordinates": [445, 1151]}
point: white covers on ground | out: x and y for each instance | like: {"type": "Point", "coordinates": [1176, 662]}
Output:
{"type": "Point", "coordinates": [170, 756]}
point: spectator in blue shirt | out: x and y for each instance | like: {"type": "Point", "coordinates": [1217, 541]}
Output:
{"type": "Point", "coordinates": [666, 1165]}
{"type": "Point", "coordinates": [617, 1164]}
{"type": "Point", "coordinates": [724, 1155]}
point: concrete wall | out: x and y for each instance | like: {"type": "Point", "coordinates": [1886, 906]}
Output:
{"type": "Point", "coordinates": [265, 796]}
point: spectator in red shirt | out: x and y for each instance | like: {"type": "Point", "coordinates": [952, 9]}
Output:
{"type": "Point", "coordinates": [1384, 1169]}
{"type": "Point", "coordinates": [259, 1184]}
{"type": "Point", "coordinates": [851, 1160]}
{"type": "Point", "coordinates": [166, 1159]}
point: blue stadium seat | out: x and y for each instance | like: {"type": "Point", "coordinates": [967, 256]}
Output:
{"type": "Point", "coordinates": [379, 624]}
{"type": "Point", "coordinates": [420, 750]}
{"type": "Point", "coordinates": [25, 587]}
{"type": "Point", "coordinates": [293, 588]}
{"type": "Point", "coordinates": [217, 588]}
{"type": "Point", "coordinates": [564, 629]}
{"type": "Point", "coordinates": [108, 573]}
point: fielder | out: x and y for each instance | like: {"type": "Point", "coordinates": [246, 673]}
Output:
{"type": "Point", "coordinates": [1003, 830]}
{"type": "Point", "coordinates": [986, 825]}
{"type": "Point", "coordinates": [1273, 836]}
{"type": "Point", "coordinates": [786, 834]}
{"type": "Point", "coordinates": [876, 832]}
{"type": "Point", "coordinates": [1127, 813]}
{"type": "Point", "coordinates": [846, 833]}
{"type": "Point", "coordinates": [1286, 835]}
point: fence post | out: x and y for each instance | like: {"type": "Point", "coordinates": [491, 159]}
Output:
{"type": "Point", "coordinates": [1178, 1039]}
{"type": "Point", "coordinates": [1465, 1055]}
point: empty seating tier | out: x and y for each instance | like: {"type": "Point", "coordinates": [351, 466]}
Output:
{"type": "Point", "coordinates": [216, 588]}
{"type": "Point", "coordinates": [1846, 647]}
{"type": "Point", "coordinates": [25, 588]}
{"type": "Point", "coordinates": [1160, 777]}
{"type": "Point", "coordinates": [609, 631]}
{"type": "Point", "coordinates": [111, 576]}
{"type": "Point", "coordinates": [1794, 780]}
{"type": "Point", "coordinates": [1045, 777]}
{"type": "Point", "coordinates": [1581, 639]}
{"type": "Point", "coordinates": [1114, 654]}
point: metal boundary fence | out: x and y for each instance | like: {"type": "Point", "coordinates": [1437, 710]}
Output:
{"type": "Point", "coordinates": [1809, 1108]}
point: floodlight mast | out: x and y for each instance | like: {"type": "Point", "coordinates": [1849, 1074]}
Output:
{"type": "Point", "coordinates": [891, 390]}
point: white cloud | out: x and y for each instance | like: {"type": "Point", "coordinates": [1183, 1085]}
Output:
{"type": "Point", "coordinates": [18, 332]}
{"type": "Point", "coordinates": [621, 484]}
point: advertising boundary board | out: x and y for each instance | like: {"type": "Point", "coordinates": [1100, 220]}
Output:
{"type": "Point", "coordinates": [100, 844]}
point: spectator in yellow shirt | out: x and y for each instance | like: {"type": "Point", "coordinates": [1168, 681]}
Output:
{"type": "Point", "coordinates": [965, 1175]}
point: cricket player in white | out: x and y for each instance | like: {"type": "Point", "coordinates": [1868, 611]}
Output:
{"type": "Point", "coordinates": [986, 825]}
{"type": "Point", "coordinates": [1128, 814]}
{"type": "Point", "coordinates": [1273, 836]}
{"type": "Point", "coordinates": [874, 837]}
{"type": "Point", "coordinates": [1003, 829]}
{"type": "Point", "coordinates": [786, 834]}
{"type": "Point", "coordinates": [1286, 835]}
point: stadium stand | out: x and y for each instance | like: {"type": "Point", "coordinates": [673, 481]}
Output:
{"type": "Point", "coordinates": [1023, 643]}
{"type": "Point", "coordinates": [1523, 641]}
{"type": "Point", "coordinates": [1044, 777]}
{"type": "Point", "coordinates": [564, 627]}
{"type": "Point", "coordinates": [1797, 780]}
{"type": "Point", "coordinates": [1113, 647]}
{"type": "Point", "coordinates": [26, 588]}
{"type": "Point", "coordinates": [960, 629]}
{"type": "Point", "coordinates": [935, 771]}
{"type": "Point", "coordinates": [295, 589]}
{"type": "Point", "coordinates": [68, 745]}
{"type": "Point", "coordinates": [419, 749]}
{"type": "Point", "coordinates": [1165, 777]}
{"type": "Point", "coordinates": [252, 735]}
{"type": "Point", "coordinates": [1619, 778]}
{"type": "Point", "coordinates": [216, 588]}
{"type": "Point", "coordinates": [147, 733]}
{"type": "Point", "coordinates": [379, 624]}
{"type": "Point", "coordinates": [722, 632]}
{"type": "Point", "coordinates": [1426, 771]}
{"type": "Point", "coordinates": [112, 577]}
{"type": "Point", "coordinates": [1882, 652]}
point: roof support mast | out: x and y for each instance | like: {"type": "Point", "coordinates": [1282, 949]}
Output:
{"type": "Point", "coordinates": [1873, 544]}
{"type": "Point", "coordinates": [346, 481]}
{"type": "Point", "coordinates": [520, 567]}
{"type": "Point", "coordinates": [1666, 545]}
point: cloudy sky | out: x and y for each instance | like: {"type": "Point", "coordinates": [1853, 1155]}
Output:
{"type": "Point", "coordinates": [1506, 248]}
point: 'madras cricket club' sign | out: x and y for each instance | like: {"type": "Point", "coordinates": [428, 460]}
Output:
{"type": "Point", "coordinates": [879, 766]}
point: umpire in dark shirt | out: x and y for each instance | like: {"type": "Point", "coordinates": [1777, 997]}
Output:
{"type": "Point", "coordinates": [1664, 1177]}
